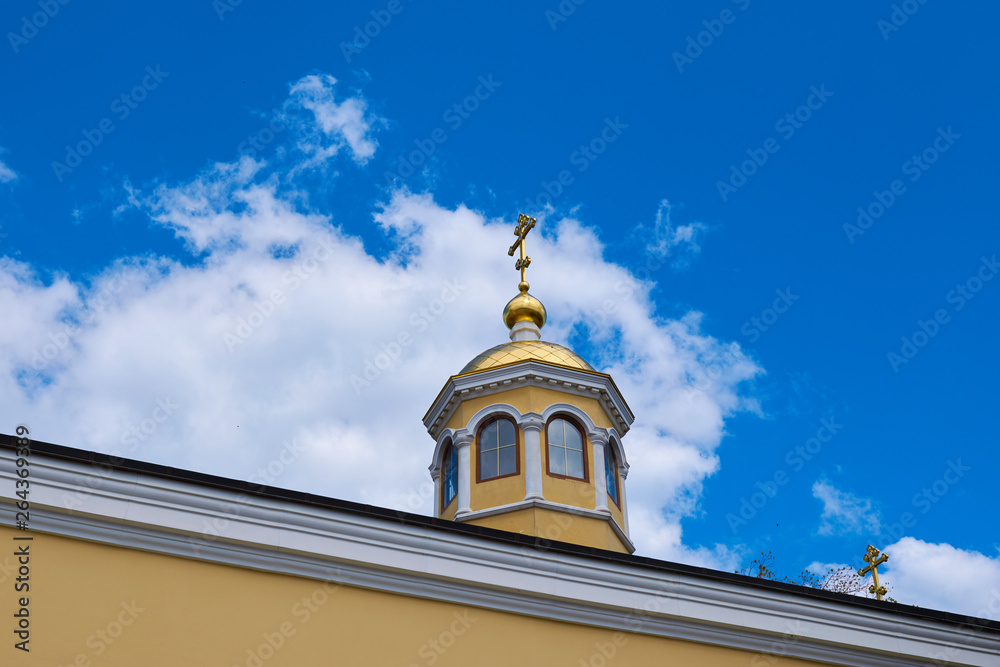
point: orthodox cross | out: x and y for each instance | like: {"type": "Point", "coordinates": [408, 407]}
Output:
{"type": "Point", "coordinates": [524, 225]}
{"type": "Point", "coordinates": [874, 560]}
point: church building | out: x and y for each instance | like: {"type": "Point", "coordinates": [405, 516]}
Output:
{"type": "Point", "coordinates": [527, 560]}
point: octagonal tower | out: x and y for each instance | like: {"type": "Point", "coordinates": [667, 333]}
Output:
{"type": "Point", "coordinates": [528, 437]}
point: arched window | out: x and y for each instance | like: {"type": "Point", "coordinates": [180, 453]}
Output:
{"type": "Point", "coordinates": [611, 473]}
{"type": "Point", "coordinates": [449, 475]}
{"type": "Point", "coordinates": [497, 449]}
{"type": "Point", "coordinates": [566, 455]}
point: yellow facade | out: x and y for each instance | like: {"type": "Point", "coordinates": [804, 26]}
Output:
{"type": "Point", "coordinates": [449, 511]}
{"type": "Point", "coordinates": [528, 399]}
{"type": "Point", "coordinates": [96, 605]}
{"type": "Point", "coordinates": [557, 527]}
{"type": "Point", "coordinates": [496, 492]}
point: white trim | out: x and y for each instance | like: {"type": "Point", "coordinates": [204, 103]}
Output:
{"type": "Point", "coordinates": [463, 441]}
{"type": "Point", "coordinates": [605, 515]}
{"type": "Point", "coordinates": [436, 460]}
{"type": "Point", "coordinates": [600, 475]}
{"type": "Point", "coordinates": [623, 499]}
{"type": "Point", "coordinates": [532, 427]}
{"type": "Point", "coordinates": [525, 330]}
{"type": "Point", "coordinates": [528, 373]}
{"type": "Point", "coordinates": [574, 411]}
{"type": "Point", "coordinates": [436, 479]}
{"type": "Point", "coordinates": [616, 443]}
{"type": "Point", "coordinates": [490, 411]}
{"type": "Point", "coordinates": [169, 516]}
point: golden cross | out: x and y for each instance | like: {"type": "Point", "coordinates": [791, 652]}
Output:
{"type": "Point", "coordinates": [524, 225]}
{"type": "Point", "coordinates": [874, 560]}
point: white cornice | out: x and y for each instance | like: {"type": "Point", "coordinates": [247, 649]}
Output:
{"type": "Point", "coordinates": [148, 512]}
{"type": "Point", "coordinates": [524, 373]}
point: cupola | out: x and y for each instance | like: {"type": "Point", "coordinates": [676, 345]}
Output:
{"type": "Point", "coordinates": [528, 436]}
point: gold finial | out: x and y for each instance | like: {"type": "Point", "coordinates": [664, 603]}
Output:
{"type": "Point", "coordinates": [523, 307]}
{"type": "Point", "coordinates": [524, 225]}
{"type": "Point", "coordinates": [874, 560]}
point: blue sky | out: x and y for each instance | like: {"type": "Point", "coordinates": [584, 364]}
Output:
{"type": "Point", "coordinates": [766, 126]}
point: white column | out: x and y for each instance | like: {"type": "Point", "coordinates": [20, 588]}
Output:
{"type": "Point", "coordinates": [600, 440]}
{"type": "Point", "coordinates": [463, 442]}
{"type": "Point", "coordinates": [532, 425]}
{"type": "Point", "coordinates": [436, 478]}
{"type": "Point", "coordinates": [622, 474]}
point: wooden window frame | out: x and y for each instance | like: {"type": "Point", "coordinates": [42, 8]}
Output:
{"type": "Point", "coordinates": [583, 437]}
{"type": "Point", "coordinates": [444, 480]}
{"type": "Point", "coordinates": [517, 449]}
{"type": "Point", "coordinates": [609, 450]}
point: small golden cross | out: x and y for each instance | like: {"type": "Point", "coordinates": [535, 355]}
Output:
{"type": "Point", "coordinates": [874, 560]}
{"type": "Point", "coordinates": [524, 225]}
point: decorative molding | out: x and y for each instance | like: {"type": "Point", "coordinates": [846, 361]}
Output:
{"type": "Point", "coordinates": [169, 515]}
{"type": "Point", "coordinates": [489, 412]}
{"type": "Point", "coordinates": [531, 421]}
{"type": "Point", "coordinates": [534, 373]}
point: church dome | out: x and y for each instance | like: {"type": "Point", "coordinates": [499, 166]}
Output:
{"type": "Point", "coordinates": [526, 350]}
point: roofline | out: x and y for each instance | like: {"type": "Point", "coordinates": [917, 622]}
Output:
{"type": "Point", "coordinates": [397, 516]}
{"type": "Point", "coordinates": [461, 376]}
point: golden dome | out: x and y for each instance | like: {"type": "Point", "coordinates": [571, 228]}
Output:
{"type": "Point", "coordinates": [524, 308]}
{"type": "Point", "coordinates": [526, 350]}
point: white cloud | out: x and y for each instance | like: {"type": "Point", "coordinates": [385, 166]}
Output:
{"type": "Point", "coordinates": [264, 339]}
{"type": "Point", "coordinates": [844, 512]}
{"type": "Point", "coordinates": [940, 576]}
{"type": "Point", "coordinates": [681, 243]}
{"type": "Point", "coordinates": [329, 125]}
{"type": "Point", "coordinates": [6, 173]}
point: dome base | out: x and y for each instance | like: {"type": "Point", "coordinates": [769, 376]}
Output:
{"type": "Point", "coordinates": [525, 331]}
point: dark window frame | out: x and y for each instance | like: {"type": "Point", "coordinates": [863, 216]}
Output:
{"type": "Point", "coordinates": [479, 448]}
{"type": "Point", "coordinates": [583, 437]}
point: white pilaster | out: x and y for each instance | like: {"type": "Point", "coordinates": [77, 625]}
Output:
{"type": "Point", "coordinates": [436, 477]}
{"type": "Point", "coordinates": [463, 441]}
{"type": "Point", "coordinates": [622, 474]}
{"type": "Point", "coordinates": [599, 441]}
{"type": "Point", "coordinates": [532, 425]}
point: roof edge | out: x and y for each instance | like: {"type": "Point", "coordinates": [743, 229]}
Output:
{"type": "Point", "coordinates": [62, 452]}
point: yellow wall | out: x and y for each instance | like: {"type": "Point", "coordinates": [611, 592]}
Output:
{"type": "Point", "coordinates": [449, 511]}
{"type": "Point", "coordinates": [185, 612]}
{"type": "Point", "coordinates": [496, 492]}
{"type": "Point", "coordinates": [557, 527]}
{"type": "Point", "coordinates": [528, 399]}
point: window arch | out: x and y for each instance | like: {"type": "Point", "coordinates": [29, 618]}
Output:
{"type": "Point", "coordinates": [611, 473]}
{"type": "Point", "coordinates": [497, 449]}
{"type": "Point", "coordinates": [449, 475]}
{"type": "Point", "coordinates": [566, 451]}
